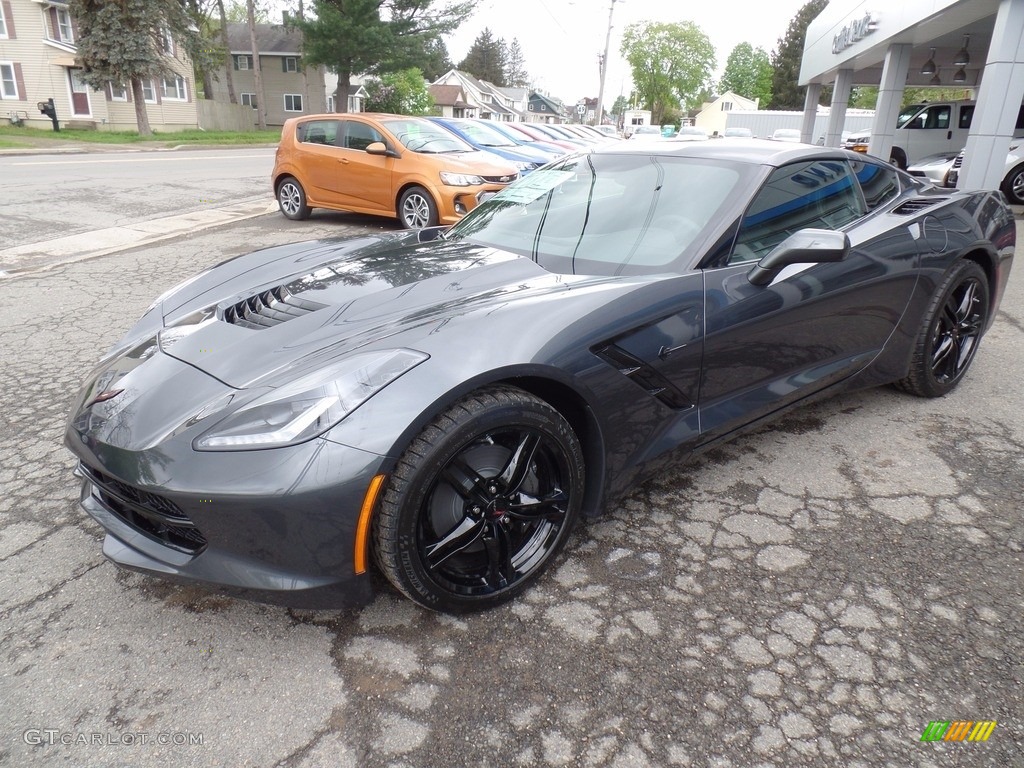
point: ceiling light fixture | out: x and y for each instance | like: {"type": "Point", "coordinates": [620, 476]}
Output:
{"type": "Point", "coordinates": [929, 67]}
{"type": "Point", "coordinates": [960, 76]}
{"type": "Point", "coordinates": [963, 58]}
{"type": "Point", "coordinates": [935, 80]}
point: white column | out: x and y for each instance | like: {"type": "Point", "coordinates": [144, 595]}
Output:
{"type": "Point", "coordinates": [890, 96]}
{"type": "Point", "coordinates": [840, 99]}
{"type": "Point", "coordinates": [810, 113]}
{"type": "Point", "coordinates": [999, 100]}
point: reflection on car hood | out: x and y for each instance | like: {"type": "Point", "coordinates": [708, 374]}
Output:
{"type": "Point", "coordinates": [299, 307]}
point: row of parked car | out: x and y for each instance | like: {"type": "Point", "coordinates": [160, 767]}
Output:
{"type": "Point", "coordinates": [424, 171]}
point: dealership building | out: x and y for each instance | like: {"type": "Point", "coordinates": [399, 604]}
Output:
{"type": "Point", "coordinates": [974, 44]}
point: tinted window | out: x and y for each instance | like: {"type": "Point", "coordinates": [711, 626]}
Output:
{"type": "Point", "coordinates": [933, 117]}
{"type": "Point", "coordinates": [878, 184]}
{"type": "Point", "coordinates": [318, 131]}
{"type": "Point", "coordinates": [966, 113]}
{"type": "Point", "coordinates": [607, 214]}
{"type": "Point", "coordinates": [360, 135]}
{"type": "Point", "coordinates": [820, 195]}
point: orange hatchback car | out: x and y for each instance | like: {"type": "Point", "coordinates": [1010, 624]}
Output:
{"type": "Point", "coordinates": [387, 165]}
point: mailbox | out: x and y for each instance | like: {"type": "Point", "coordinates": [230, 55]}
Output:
{"type": "Point", "coordinates": [47, 108]}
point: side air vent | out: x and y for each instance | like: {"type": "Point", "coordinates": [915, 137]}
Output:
{"type": "Point", "coordinates": [644, 375]}
{"type": "Point", "coordinates": [917, 205]}
{"type": "Point", "coordinates": [959, 160]}
{"type": "Point", "coordinates": [269, 308]}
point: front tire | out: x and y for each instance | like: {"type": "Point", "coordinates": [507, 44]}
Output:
{"type": "Point", "coordinates": [416, 209]}
{"type": "Point", "coordinates": [950, 333]}
{"type": "Point", "coordinates": [898, 158]}
{"type": "Point", "coordinates": [1013, 185]}
{"type": "Point", "coordinates": [291, 198]}
{"type": "Point", "coordinates": [481, 501]}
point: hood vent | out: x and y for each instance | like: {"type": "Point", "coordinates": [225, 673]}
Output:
{"type": "Point", "coordinates": [917, 205]}
{"type": "Point", "coordinates": [269, 308]}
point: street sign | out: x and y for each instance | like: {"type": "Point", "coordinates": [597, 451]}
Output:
{"type": "Point", "coordinates": [581, 109]}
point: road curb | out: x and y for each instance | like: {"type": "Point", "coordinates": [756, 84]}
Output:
{"type": "Point", "coordinates": [38, 257]}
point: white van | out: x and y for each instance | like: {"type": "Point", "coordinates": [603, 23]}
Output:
{"type": "Point", "coordinates": [923, 130]}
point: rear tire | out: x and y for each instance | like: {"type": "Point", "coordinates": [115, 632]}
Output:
{"type": "Point", "coordinates": [291, 198]}
{"type": "Point", "coordinates": [950, 332]}
{"type": "Point", "coordinates": [1013, 185]}
{"type": "Point", "coordinates": [898, 158]}
{"type": "Point", "coordinates": [481, 502]}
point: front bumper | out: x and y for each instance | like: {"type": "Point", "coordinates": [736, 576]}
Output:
{"type": "Point", "coordinates": [276, 525]}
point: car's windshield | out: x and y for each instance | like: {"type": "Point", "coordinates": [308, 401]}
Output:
{"type": "Point", "coordinates": [424, 136]}
{"type": "Point", "coordinates": [609, 214]}
{"type": "Point", "coordinates": [483, 135]}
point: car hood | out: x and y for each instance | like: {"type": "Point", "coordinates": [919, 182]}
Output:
{"type": "Point", "coordinates": [289, 310]}
{"type": "Point", "coordinates": [476, 162]}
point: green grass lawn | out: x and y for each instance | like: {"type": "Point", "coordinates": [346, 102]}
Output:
{"type": "Point", "coordinates": [131, 137]}
{"type": "Point", "coordinates": [5, 144]}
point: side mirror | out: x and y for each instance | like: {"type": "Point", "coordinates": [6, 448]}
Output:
{"type": "Point", "coordinates": [380, 148]}
{"type": "Point", "coordinates": [814, 246]}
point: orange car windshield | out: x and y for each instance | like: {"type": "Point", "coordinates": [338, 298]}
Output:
{"type": "Point", "coordinates": [425, 137]}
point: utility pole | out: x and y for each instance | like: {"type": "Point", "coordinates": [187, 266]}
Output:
{"type": "Point", "coordinates": [604, 65]}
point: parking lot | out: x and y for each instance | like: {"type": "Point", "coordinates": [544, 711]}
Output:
{"type": "Point", "coordinates": [813, 594]}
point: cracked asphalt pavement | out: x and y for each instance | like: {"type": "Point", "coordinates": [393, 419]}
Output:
{"type": "Point", "coordinates": [811, 594]}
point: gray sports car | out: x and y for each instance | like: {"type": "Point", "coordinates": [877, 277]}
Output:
{"type": "Point", "coordinates": [445, 403]}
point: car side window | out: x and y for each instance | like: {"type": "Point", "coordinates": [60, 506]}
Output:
{"type": "Point", "coordinates": [360, 135]}
{"type": "Point", "coordinates": [819, 195]}
{"type": "Point", "coordinates": [966, 115]}
{"type": "Point", "coordinates": [933, 117]}
{"type": "Point", "coordinates": [318, 132]}
{"type": "Point", "coordinates": [878, 183]}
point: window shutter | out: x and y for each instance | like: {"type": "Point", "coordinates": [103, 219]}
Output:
{"type": "Point", "coordinates": [54, 24]}
{"type": "Point", "coordinates": [9, 19]}
{"type": "Point", "coordinates": [19, 82]}
{"type": "Point", "coordinates": [234, 60]}
{"type": "Point", "coordinates": [284, 63]}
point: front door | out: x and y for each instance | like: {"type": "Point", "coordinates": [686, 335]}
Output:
{"type": "Point", "coordinates": [767, 346]}
{"type": "Point", "coordinates": [79, 94]}
{"type": "Point", "coordinates": [364, 180]}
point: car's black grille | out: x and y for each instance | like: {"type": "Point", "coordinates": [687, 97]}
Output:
{"type": "Point", "coordinates": [959, 161]}
{"type": "Point", "coordinates": [918, 204]}
{"type": "Point", "coordinates": [147, 512]}
{"type": "Point", "coordinates": [269, 308]}
{"type": "Point", "coordinates": [501, 179]}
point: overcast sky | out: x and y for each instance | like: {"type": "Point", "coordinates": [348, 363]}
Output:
{"type": "Point", "coordinates": [561, 39]}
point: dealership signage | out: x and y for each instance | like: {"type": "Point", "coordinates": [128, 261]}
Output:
{"type": "Point", "coordinates": [856, 30]}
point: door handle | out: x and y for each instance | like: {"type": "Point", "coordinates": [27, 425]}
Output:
{"type": "Point", "coordinates": [343, 160]}
{"type": "Point", "coordinates": [949, 134]}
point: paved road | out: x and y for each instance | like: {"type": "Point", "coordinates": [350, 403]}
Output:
{"type": "Point", "coordinates": [813, 594]}
{"type": "Point", "coordinates": [50, 196]}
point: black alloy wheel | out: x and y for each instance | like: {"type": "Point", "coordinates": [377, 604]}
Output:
{"type": "Point", "coordinates": [481, 501]}
{"type": "Point", "coordinates": [951, 332]}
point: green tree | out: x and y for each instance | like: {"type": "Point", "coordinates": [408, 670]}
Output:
{"type": "Point", "coordinates": [435, 61]}
{"type": "Point", "coordinates": [748, 72]}
{"type": "Point", "coordinates": [621, 105]}
{"type": "Point", "coordinates": [486, 59]}
{"type": "Point", "coordinates": [124, 42]}
{"type": "Point", "coordinates": [375, 36]}
{"type": "Point", "coordinates": [785, 59]}
{"type": "Point", "coordinates": [403, 93]}
{"type": "Point", "coordinates": [670, 63]}
{"type": "Point", "coordinates": [238, 12]}
{"type": "Point", "coordinates": [863, 96]}
{"type": "Point", "coordinates": [515, 66]}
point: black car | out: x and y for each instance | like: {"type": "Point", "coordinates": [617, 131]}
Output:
{"type": "Point", "coordinates": [447, 402]}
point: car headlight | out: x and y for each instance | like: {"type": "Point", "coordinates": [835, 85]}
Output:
{"type": "Point", "coordinates": [309, 406]}
{"type": "Point", "coordinates": [460, 179]}
{"type": "Point", "coordinates": [525, 166]}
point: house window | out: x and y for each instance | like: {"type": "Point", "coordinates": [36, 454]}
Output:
{"type": "Point", "coordinates": [8, 84]}
{"type": "Point", "coordinates": [243, 62]}
{"type": "Point", "coordinates": [118, 92]}
{"type": "Point", "coordinates": [726, 106]}
{"type": "Point", "coordinates": [67, 32]}
{"type": "Point", "coordinates": [486, 98]}
{"type": "Point", "coordinates": [330, 103]}
{"type": "Point", "coordinates": [293, 102]}
{"type": "Point", "coordinates": [531, 107]}
{"type": "Point", "coordinates": [174, 88]}
{"type": "Point", "coordinates": [543, 107]}
{"type": "Point", "coordinates": [290, 64]}
{"type": "Point", "coordinates": [249, 100]}
{"type": "Point", "coordinates": [148, 94]}
{"type": "Point", "coordinates": [166, 41]}
{"type": "Point", "coordinates": [3, 23]}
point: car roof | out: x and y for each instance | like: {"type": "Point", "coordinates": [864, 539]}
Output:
{"type": "Point", "coordinates": [759, 151]}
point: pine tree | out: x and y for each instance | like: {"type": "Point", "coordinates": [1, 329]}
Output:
{"type": "Point", "coordinates": [486, 58]}
{"type": "Point", "coordinates": [786, 94]}
{"type": "Point", "coordinates": [515, 66]}
{"type": "Point", "coordinates": [123, 42]}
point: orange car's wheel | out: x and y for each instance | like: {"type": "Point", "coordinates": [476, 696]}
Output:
{"type": "Point", "coordinates": [291, 197]}
{"type": "Point", "coordinates": [416, 209]}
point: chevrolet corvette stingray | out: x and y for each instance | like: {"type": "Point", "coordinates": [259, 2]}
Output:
{"type": "Point", "coordinates": [445, 403]}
